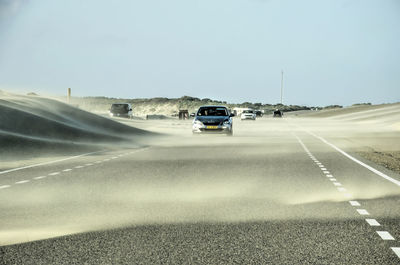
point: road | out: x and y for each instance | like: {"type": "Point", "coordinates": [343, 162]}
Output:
{"type": "Point", "coordinates": [272, 194]}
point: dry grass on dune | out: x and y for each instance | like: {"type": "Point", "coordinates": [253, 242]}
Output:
{"type": "Point", "coordinates": [387, 159]}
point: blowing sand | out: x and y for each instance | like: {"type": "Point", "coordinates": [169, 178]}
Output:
{"type": "Point", "coordinates": [182, 178]}
{"type": "Point", "coordinates": [372, 132]}
{"type": "Point", "coordinates": [34, 128]}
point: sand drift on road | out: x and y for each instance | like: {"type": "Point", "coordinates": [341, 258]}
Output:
{"type": "Point", "coordinates": [30, 123]}
{"type": "Point", "coordinates": [261, 177]}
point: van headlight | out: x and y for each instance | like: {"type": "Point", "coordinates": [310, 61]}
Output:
{"type": "Point", "coordinates": [227, 122]}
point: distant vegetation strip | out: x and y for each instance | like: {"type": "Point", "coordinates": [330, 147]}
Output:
{"type": "Point", "coordinates": [171, 106]}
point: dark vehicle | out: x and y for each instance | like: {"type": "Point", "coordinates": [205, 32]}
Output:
{"type": "Point", "coordinates": [278, 114]}
{"type": "Point", "coordinates": [121, 110]}
{"type": "Point", "coordinates": [259, 113]}
{"type": "Point", "coordinates": [213, 119]}
{"type": "Point", "coordinates": [183, 114]}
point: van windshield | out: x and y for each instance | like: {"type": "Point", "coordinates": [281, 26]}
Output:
{"type": "Point", "coordinates": [120, 107]}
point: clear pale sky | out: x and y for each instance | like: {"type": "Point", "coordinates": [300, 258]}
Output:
{"type": "Point", "coordinates": [331, 51]}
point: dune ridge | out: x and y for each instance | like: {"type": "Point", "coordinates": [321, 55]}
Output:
{"type": "Point", "coordinates": [31, 121]}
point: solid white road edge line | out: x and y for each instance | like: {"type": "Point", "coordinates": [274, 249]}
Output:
{"type": "Point", "coordinates": [377, 172]}
{"type": "Point", "coordinates": [372, 222]}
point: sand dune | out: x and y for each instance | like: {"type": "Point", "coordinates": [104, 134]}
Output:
{"type": "Point", "coordinates": [374, 113]}
{"type": "Point", "coordinates": [379, 115]}
{"type": "Point", "coordinates": [31, 121]}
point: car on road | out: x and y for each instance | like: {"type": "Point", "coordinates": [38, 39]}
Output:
{"type": "Point", "coordinates": [213, 119]}
{"type": "Point", "coordinates": [121, 110]}
{"type": "Point", "coordinates": [248, 114]}
{"type": "Point", "coordinates": [277, 114]}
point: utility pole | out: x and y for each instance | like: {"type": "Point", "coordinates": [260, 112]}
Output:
{"type": "Point", "coordinates": [69, 95]}
{"type": "Point", "coordinates": [282, 89]}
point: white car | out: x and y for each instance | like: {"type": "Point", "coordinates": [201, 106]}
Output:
{"type": "Point", "coordinates": [248, 114]}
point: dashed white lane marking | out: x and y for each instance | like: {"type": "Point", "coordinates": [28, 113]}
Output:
{"type": "Point", "coordinates": [347, 195]}
{"type": "Point", "coordinates": [65, 170]}
{"type": "Point", "coordinates": [50, 162]}
{"type": "Point", "coordinates": [396, 251]}
{"type": "Point", "coordinates": [385, 235]}
{"type": "Point", "coordinates": [362, 211]}
{"type": "Point", "coordinates": [377, 172]}
{"type": "Point", "coordinates": [372, 222]}
{"type": "Point", "coordinates": [22, 181]}
{"type": "Point", "coordinates": [354, 203]}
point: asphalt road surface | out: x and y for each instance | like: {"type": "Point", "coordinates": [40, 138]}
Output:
{"type": "Point", "coordinates": [272, 194]}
